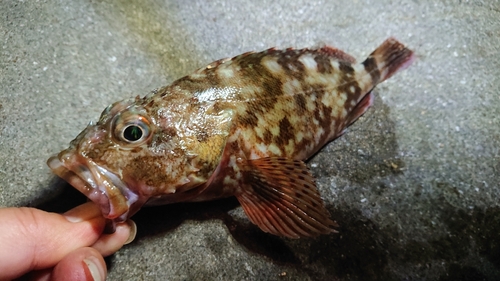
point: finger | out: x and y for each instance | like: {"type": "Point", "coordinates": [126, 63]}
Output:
{"type": "Point", "coordinates": [83, 212]}
{"type": "Point", "coordinates": [110, 243]}
{"type": "Point", "coordinates": [84, 264]}
{"type": "Point", "coordinates": [105, 246]}
{"type": "Point", "coordinates": [34, 239]}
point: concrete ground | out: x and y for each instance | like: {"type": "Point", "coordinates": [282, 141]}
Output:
{"type": "Point", "coordinates": [413, 184]}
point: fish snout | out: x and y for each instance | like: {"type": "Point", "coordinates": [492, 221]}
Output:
{"type": "Point", "coordinates": [99, 184]}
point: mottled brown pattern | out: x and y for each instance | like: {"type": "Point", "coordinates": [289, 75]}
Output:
{"type": "Point", "coordinates": [163, 94]}
{"type": "Point", "coordinates": [170, 131]}
{"type": "Point", "coordinates": [251, 62]}
{"type": "Point", "coordinates": [234, 146]}
{"type": "Point", "coordinates": [324, 65]}
{"type": "Point", "coordinates": [286, 133]}
{"type": "Point", "coordinates": [289, 60]}
{"type": "Point", "coordinates": [264, 103]}
{"type": "Point", "coordinates": [249, 119]}
{"type": "Point", "coordinates": [190, 84]}
{"type": "Point", "coordinates": [268, 137]}
{"type": "Point", "coordinates": [201, 136]}
{"type": "Point", "coordinates": [217, 106]}
{"type": "Point", "coordinates": [326, 121]}
{"type": "Point", "coordinates": [346, 68]}
{"type": "Point", "coordinates": [147, 167]}
{"type": "Point", "coordinates": [272, 88]}
{"type": "Point", "coordinates": [319, 90]}
{"type": "Point", "coordinates": [240, 126]}
{"type": "Point", "coordinates": [300, 101]}
{"type": "Point", "coordinates": [347, 89]}
{"type": "Point", "coordinates": [317, 111]}
{"type": "Point", "coordinates": [150, 103]}
{"type": "Point", "coordinates": [371, 67]}
{"type": "Point", "coordinates": [336, 53]}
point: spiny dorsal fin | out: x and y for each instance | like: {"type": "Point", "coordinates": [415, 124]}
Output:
{"type": "Point", "coordinates": [337, 53]}
{"type": "Point", "coordinates": [281, 198]}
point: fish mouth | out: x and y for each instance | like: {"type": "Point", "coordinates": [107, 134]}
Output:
{"type": "Point", "coordinates": [98, 183]}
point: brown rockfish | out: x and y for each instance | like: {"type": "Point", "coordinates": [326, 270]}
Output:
{"type": "Point", "coordinates": [237, 127]}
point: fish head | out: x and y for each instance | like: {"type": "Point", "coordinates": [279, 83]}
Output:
{"type": "Point", "coordinates": [133, 154]}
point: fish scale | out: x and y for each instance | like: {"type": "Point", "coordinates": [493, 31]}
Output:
{"type": "Point", "coordinates": [237, 127]}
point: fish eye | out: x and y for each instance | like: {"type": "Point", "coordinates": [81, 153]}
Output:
{"type": "Point", "coordinates": [132, 129]}
{"type": "Point", "coordinates": [132, 133]}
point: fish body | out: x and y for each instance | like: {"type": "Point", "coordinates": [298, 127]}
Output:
{"type": "Point", "coordinates": [237, 127]}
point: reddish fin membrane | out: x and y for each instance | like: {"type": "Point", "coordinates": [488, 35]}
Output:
{"type": "Point", "coordinates": [389, 58]}
{"type": "Point", "coordinates": [281, 198]}
{"type": "Point", "coordinates": [262, 215]}
{"type": "Point", "coordinates": [336, 53]}
{"type": "Point", "coordinates": [255, 212]}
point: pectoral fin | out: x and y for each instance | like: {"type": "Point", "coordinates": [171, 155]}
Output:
{"type": "Point", "coordinates": [281, 198]}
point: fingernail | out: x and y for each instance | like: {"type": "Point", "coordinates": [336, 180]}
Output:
{"type": "Point", "coordinates": [83, 212]}
{"type": "Point", "coordinates": [133, 232]}
{"type": "Point", "coordinates": [93, 268]}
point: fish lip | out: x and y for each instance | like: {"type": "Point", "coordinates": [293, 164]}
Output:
{"type": "Point", "coordinates": [98, 183]}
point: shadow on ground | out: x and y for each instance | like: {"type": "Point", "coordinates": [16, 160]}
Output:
{"type": "Point", "coordinates": [360, 251]}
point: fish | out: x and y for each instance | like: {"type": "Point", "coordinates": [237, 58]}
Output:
{"type": "Point", "coordinates": [240, 126]}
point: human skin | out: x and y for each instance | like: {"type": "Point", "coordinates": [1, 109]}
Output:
{"type": "Point", "coordinates": [50, 246]}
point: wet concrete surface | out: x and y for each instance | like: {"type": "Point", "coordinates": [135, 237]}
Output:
{"type": "Point", "coordinates": [413, 184]}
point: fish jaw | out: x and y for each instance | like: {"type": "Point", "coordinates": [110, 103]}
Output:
{"type": "Point", "coordinates": [99, 184]}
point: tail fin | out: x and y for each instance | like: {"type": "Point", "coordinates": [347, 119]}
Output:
{"type": "Point", "coordinates": [387, 59]}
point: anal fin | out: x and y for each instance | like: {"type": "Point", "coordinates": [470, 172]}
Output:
{"type": "Point", "coordinates": [360, 108]}
{"type": "Point", "coordinates": [279, 196]}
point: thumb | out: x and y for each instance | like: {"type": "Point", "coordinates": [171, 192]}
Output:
{"type": "Point", "coordinates": [84, 264]}
{"type": "Point", "coordinates": [33, 239]}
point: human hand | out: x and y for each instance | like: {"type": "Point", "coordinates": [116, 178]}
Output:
{"type": "Point", "coordinates": [52, 246]}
